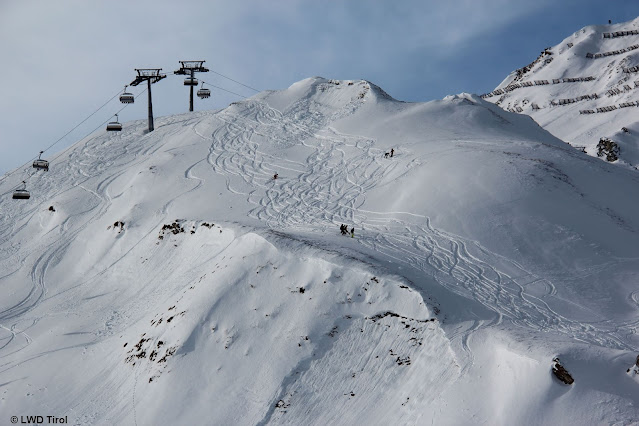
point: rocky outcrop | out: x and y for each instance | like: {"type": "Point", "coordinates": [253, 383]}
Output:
{"type": "Point", "coordinates": [561, 373]}
{"type": "Point", "coordinates": [608, 148]}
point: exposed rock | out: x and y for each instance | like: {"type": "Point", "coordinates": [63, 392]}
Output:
{"type": "Point", "coordinates": [561, 373]}
{"type": "Point", "coordinates": [606, 147]}
{"type": "Point", "coordinates": [174, 228]}
{"type": "Point", "coordinates": [118, 224]}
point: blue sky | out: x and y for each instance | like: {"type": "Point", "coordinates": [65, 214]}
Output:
{"type": "Point", "coordinates": [62, 59]}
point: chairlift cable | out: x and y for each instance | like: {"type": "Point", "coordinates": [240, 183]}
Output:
{"type": "Point", "coordinates": [103, 123]}
{"type": "Point", "coordinates": [109, 119]}
{"type": "Point", "coordinates": [217, 87]}
{"type": "Point", "coordinates": [65, 135]}
{"type": "Point", "coordinates": [31, 174]}
{"type": "Point", "coordinates": [79, 124]}
{"type": "Point", "coordinates": [24, 182]}
{"type": "Point", "coordinates": [229, 78]}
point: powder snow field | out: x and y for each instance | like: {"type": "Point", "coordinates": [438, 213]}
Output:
{"type": "Point", "coordinates": [178, 282]}
{"type": "Point", "coordinates": [583, 89]}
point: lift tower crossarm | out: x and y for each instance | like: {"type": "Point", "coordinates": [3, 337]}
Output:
{"type": "Point", "coordinates": [150, 75]}
{"type": "Point", "coordinates": [190, 68]}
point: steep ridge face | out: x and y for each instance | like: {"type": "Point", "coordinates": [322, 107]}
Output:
{"type": "Point", "coordinates": [584, 90]}
{"type": "Point", "coordinates": [197, 273]}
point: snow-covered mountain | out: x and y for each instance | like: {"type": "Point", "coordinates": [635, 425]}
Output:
{"type": "Point", "coordinates": [583, 90]}
{"type": "Point", "coordinates": [197, 274]}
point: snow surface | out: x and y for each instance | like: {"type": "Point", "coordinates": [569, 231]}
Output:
{"type": "Point", "coordinates": [613, 86]}
{"type": "Point", "coordinates": [178, 282]}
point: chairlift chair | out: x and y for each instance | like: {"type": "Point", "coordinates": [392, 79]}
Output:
{"type": "Point", "coordinates": [114, 126]}
{"type": "Point", "coordinates": [41, 164]}
{"type": "Point", "coordinates": [203, 93]}
{"type": "Point", "coordinates": [21, 194]}
{"type": "Point", "coordinates": [126, 97]}
{"type": "Point", "coordinates": [191, 81]}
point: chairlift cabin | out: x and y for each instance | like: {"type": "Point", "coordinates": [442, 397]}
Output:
{"type": "Point", "coordinates": [41, 164]}
{"type": "Point", "coordinates": [21, 194]}
{"type": "Point", "coordinates": [114, 126]}
{"type": "Point", "coordinates": [191, 81]}
{"type": "Point", "coordinates": [126, 97]}
{"type": "Point", "coordinates": [203, 93]}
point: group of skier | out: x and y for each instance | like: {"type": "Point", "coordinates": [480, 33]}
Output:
{"type": "Point", "coordinates": [344, 230]}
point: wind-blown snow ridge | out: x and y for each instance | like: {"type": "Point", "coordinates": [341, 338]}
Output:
{"type": "Point", "coordinates": [174, 268]}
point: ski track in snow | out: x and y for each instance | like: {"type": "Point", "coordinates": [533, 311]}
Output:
{"type": "Point", "coordinates": [326, 190]}
{"type": "Point", "coordinates": [79, 172]}
{"type": "Point", "coordinates": [317, 194]}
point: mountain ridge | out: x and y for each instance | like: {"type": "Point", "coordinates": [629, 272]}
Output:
{"type": "Point", "coordinates": [178, 278]}
{"type": "Point", "coordinates": [582, 90]}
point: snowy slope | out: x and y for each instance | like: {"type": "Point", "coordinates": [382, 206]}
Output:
{"type": "Point", "coordinates": [583, 89]}
{"type": "Point", "coordinates": [177, 282]}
